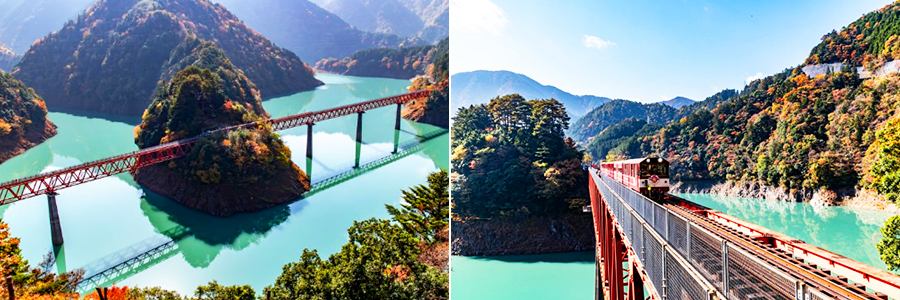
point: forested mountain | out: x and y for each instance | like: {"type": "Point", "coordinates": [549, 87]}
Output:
{"type": "Point", "coordinates": [221, 175]}
{"type": "Point", "coordinates": [426, 19]}
{"type": "Point", "coordinates": [435, 14]}
{"type": "Point", "coordinates": [402, 63]}
{"type": "Point", "coordinates": [614, 112]}
{"type": "Point", "coordinates": [8, 59]}
{"type": "Point", "coordinates": [512, 159]}
{"type": "Point", "coordinates": [831, 131]}
{"type": "Point", "coordinates": [22, 22]}
{"type": "Point", "coordinates": [678, 102]}
{"type": "Point", "coordinates": [477, 87]}
{"type": "Point", "coordinates": [82, 65]}
{"type": "Point", "coordinates": [23, 118]}
{"type": "Point", "coordinates": [308, 30]}
{"type": "Point", "coordinates": [385, 16]}
{"type": "Point", "coordinates": [435, 110]}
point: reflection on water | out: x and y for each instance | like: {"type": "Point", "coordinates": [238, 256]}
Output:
{"type": "Point", "coordinates": [113, 220]}
{"type": "Point", "coordinates": [567, 275]}
{"type": "Point", "coordinates": [847, 231]}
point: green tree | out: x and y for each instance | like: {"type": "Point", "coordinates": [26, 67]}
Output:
{"type": "Point", "coordinates": [379, 262]}
{"type": "Point", "coordinates": [889, 247]}
{"type": "Point", "coordinates": [425, 210]}
{"type": "Point", "coordinates": [215, 291]}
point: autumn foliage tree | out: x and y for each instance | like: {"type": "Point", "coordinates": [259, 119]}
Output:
{"type": "Point", "coordinates": [512, 159]}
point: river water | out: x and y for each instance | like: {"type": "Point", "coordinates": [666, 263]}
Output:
{"type": "Point", "coordinates": [567, 275]}
{"type": "Point", "coordinates": [851, 232]}
{"type": "Point", "coordinates": [112, 220]}
{"type": "Point", "coordinates": [848, 231]}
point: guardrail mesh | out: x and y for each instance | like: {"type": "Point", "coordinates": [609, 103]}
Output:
{"type": "Point", "coordinates": [659, 236]}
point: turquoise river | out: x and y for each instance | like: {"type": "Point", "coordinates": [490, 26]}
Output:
{"type": "Point", "coordinates": [113, 220]}
{"type": "Point", "coordinates": [847, 231]}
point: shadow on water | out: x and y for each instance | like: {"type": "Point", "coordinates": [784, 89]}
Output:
{"type": "Point", "coordinates": [130, 120]}
{"type": "Point", "coordinates": [562, 257]}
{"type": "Point", "coordinates": [208, 234]}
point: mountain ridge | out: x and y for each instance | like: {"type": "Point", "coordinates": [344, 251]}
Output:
{"type": "Point", "coordinates": [310, 31]}
{"type": "Point", "coordinates": [477, 87]}
{"type": "Point", "coordinates": [115, 37]}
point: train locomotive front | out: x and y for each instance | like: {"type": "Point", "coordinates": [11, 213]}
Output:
{"type": "Point", "coordinates": [648, 176]}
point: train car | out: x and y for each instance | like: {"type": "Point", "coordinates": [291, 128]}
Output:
{"type": "Point", "coordinates": [648, 176]}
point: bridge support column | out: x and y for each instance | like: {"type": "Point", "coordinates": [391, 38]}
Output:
{"type": "Point", "coordinates": [399, 109]}
{"type": "Point", "coordinates": [359, 117]}
{"type": "Point", "coordinates": [55, 227]}
{"type": "Point", "coordinates": [309, 140]}
{"type": "Point", "coordinates": [396, 141]}
{"type": "Point", "coordinates": [635, 283]}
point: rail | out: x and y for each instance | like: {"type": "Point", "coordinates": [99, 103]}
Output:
{"type": "Point", "coordinates": [50, 182]}
{"type": "Point", "coordinates": [666, 272]}
{"type": "Point", "coordinates": [732, 268]}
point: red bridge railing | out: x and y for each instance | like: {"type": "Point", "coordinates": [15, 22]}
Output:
{"type": "Point", "coordinates": [50, 182]}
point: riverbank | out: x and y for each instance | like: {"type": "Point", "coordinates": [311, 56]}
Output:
{"type": "Point", "coordinates": [850, 197]}
{"type": "Point", "coordinates": [12, 147]}
{"type": "Point", "coordinates": [568, 232]}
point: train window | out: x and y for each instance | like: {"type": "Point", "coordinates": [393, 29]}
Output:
{"type": "Point", "coordinates": [657, 169]}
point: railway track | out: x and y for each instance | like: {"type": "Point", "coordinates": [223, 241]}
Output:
{"type": "Point", "coordinates": [837, 287]}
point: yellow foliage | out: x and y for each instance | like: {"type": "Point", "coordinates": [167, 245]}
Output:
{"type": "Point", "coordinates": [5, 128]}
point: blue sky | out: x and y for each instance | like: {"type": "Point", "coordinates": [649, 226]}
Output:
{"type": "Point", "coordinates": [643, 50]}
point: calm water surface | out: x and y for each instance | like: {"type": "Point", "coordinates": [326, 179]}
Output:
{"type": "Point", "coordinates": [851, 232]}
{"type": "Point", "coordinates": [540, 276]}
{"type": "Point", "coordinates": [111, 220]}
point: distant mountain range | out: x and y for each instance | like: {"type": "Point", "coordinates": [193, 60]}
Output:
{"type": "Point", "coordinates": [679, 102]}
{"type": "Point", "coordinates": [22, 22]}
{"type": "Point", "coordinates": [478, 87]}
{"type": "Point", "coordinates": [112, 57]}
{"type": "Point", "coordinates": [425, 19]}
{"type": "Point", "coordinates": [310, 31]}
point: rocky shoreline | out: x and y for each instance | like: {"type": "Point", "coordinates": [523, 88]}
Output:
{"type": "Point", "coordinates": [532, 235]}
{"type": "Point", "coordinates": [850, 197]}
{"type": "Point", "coordinates": [30, 139]}
{"type": "Point", "coordinates": [224, 199]}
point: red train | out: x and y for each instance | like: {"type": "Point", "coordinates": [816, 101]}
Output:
{"type": "Point", "coordinates": [649, 175]}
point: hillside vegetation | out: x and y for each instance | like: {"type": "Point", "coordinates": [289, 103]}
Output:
{"type": "Point", "coordinates": [226, 172]}
{"type": "Point", "coordinates": [833, 131]}
{"type": "Point", "coordinates": [614, 112]}
{"type": "Point", "coordinates": [402, 63]}
{"type": "Point", "coordinates": [23, 118]}
{"type": "Point", "coordinates": [436, 109]}
{"type": "Point", "coordinates": [81, 65]}
{"type": "Point", "coordinates": [512, 159]}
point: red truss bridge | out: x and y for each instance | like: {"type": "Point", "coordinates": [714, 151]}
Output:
{"type": "Point", "coordinates": [676, 249]}
{"type": "Point", "coordinates": [51, 182]}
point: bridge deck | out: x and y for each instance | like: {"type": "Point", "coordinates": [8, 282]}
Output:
{"type": "Point", "coordinates": [51, 182]}
{"type": "Point", "coordinates": [737, 259]}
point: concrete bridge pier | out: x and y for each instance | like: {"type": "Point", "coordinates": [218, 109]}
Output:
{"type": "Point", "coordinates": [359, 117]}
{"type": "Point", "coordinates": [397, 128]}
{"type": "Point", "coordinates": [309, 138]}
{"type": "Point", "coordinates": [55, 227]}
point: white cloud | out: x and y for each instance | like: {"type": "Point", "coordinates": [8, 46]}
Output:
{"type": "Point", "coordinates": [596, 43]}
{"type": "Point", "coordinates": [758, 75]}
{"type": "Point", "coordinates": [477, 15]}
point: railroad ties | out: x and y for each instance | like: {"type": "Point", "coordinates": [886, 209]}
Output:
{"type": "Point", "coordinates": [681, 250]}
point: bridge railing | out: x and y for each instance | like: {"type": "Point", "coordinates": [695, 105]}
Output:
{"type": "Point", "coordinates": [673, 250]}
